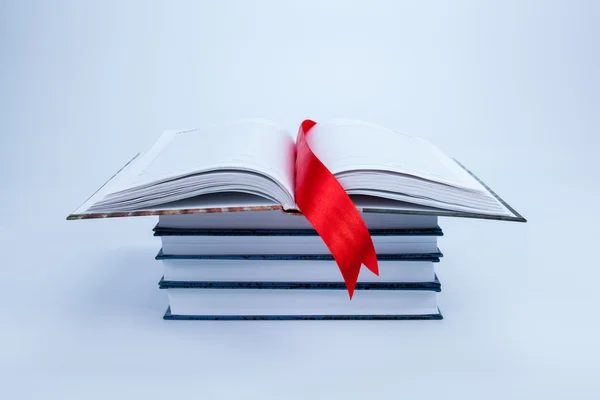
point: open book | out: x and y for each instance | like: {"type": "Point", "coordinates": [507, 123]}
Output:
{"type": "Point", "coordinates": [249, 165]}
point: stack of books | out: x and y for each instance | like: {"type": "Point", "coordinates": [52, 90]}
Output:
{"type": "Point", "coordinates": [234, 246]}
{"type": "Point", "coordinates": [264, 264]}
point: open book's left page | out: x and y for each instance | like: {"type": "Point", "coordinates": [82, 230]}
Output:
{"type": "Point", "coordinates": [254, 157]}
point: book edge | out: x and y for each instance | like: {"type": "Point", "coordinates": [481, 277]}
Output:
{"type": "Point", "coordinates": [432, 286]}
{"type": "Point", "coordinates": [159, 232]}
{"type": "Point", "coordinates": [168, 316]}
{"type": "Point", "coordinates": [74, 214]}
{"type": "Point", "coordinates": [432, 257]}
{"type": "Point", "coordinates": [518, 217]}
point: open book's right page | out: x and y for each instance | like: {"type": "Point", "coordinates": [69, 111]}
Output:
{"type": "Point", "coordinates": [346, 145]}
{"type": "Point", "coordinates": [375, 161]}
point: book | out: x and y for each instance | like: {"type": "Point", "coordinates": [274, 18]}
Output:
{"type": "Point", "coordinates": [276, 219]}
{"type": "Point", "coordinates": [169, 316]}
{"type": "Point", "coordinates": [309, 286]}
{"type": "Point", "coordinates": [286, 241]}
{"type": "Point", "coordinates": [281, 300]}
{"type": "Point", "coordinates": [247, 270]}
{"type": "Point", "coordinates": [284, 257]}
{"type": "Point", "coordinates": [196, 171]}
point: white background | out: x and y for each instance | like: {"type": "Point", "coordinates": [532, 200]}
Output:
{"type": "Point", "coordinates": [509, 88]}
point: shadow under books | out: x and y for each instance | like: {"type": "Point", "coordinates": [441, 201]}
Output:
{"type": "Point", "coordinates": [121, 282]}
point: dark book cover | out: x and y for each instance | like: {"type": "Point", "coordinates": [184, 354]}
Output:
{"type": "Point", "coordinates": [158, 231]}
{"type": "Point", "coordinates": [169, 316]}
{"type": "Point", "coordinates": [433, 257]}
{"type": "Point", "coordinates": [430, 286]}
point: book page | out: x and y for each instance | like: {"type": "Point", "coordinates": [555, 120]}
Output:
{"type": "Point", "coordinates": [346, 145]}
{"type": "Point", "coordinates": [252, 145]}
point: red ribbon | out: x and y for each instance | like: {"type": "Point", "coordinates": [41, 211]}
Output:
{"type": "Point", "coordinates": [329, 209]}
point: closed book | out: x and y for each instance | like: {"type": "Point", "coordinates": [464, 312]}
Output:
{"type": "Point", "coordinates": [300, 300]}
{"type": "Point", "coordinates": [434, 256]}
{"type": "Point", "coordinates": [280, 269]}
{"type": "Point", "coordinates": [286, 241]}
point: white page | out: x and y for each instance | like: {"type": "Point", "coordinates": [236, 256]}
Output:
{"type": "Point", "coordinates": [346, 145]}
{"type": "Point", "coordinates": [301, 302]}
{"type": "Point", "coordinates": [251, 144]}
{"type": "Point", "coordinates": [290, 271]}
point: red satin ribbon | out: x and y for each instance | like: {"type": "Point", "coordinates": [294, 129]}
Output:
{"type": "Point", "coordinates": [329, 209]}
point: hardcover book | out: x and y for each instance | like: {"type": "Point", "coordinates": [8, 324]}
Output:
{"type": "Point", "coordinates": [383, 171]}
{"type": "Point", "coordinates": [286, 241]}
{"type": "Point", "coordinates": [289, 269]}
{"type": "Point", "coordinates": [300, 300]}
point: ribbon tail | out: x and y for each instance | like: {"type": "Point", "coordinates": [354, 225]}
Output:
{"type": "Point", "coordinates": [350, 274]}
{"type": "Point", "coordinates": [370, 260]}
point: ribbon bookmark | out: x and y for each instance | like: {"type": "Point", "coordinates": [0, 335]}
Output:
{"type": "Point", "coordinates": [329, 209]}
